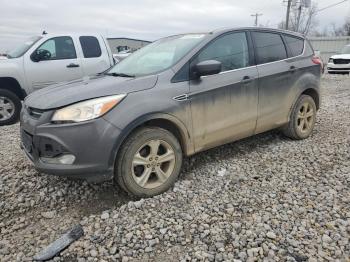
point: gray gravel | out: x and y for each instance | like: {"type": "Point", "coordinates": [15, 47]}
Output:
{"type": "Point", "coordinates": [263, 198]}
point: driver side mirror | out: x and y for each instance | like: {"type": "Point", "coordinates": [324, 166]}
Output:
{"type": "Point", "coordinates": [39, 55]}
{"type": "Point", "coordinates": [208, 67]}
{"type": "Point", "coordinates": [35, 56]}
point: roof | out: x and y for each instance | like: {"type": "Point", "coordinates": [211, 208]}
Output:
{"type": "Point", "coordinates": [223, 30]}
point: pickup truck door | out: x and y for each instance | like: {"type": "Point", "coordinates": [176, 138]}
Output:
{"type": "Point", "coordinates": [94, 55]}
{"type": "Point", "coordinates": [59, 65]}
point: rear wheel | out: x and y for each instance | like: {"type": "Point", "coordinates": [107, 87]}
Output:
{"type": "Point", "coordinates": [10, 107]}
{"type": "Point", "coordinates": [149, 162]}
{"type": "Point", "coordinates": [302, 119]}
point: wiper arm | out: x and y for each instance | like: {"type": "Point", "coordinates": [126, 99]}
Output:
{"type": "Point", "coordinates": [120, 74]}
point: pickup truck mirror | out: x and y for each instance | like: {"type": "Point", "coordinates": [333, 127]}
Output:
{"type": "Point", "coordinates": [40, 54]}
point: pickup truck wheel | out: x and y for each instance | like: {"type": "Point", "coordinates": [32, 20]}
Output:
{"type": "Point", "coordinates": [10, 107]}
{"type": "Point", "coordinates": [302, 119]}
{"type": "Point", "coordinates": [149, 162]}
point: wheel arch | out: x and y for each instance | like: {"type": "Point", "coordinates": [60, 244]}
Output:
{"type": "Point", "coordinates": [11, 84]}
{"type": "Point", "coordinates": [307, 84]}
{"type": "Point", "coordinates": [314, 94]}
{"type": "Point", "coordinates": [165, 121]}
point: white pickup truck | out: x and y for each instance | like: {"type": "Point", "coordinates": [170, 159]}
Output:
{"type": "Point", "coordinates": [46, 60]}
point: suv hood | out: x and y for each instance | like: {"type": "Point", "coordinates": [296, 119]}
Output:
{"type": "Point", "coordinates": [69, 93]}
{"type": "Point", "coordinates": [341, 56]}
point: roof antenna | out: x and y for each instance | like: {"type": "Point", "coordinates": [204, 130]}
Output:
{"type": "Point", "coordinates": [44, 32]}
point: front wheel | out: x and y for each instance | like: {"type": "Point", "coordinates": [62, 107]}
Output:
{"type": "Point", "coordinates": [302, 119]}
{"type": "Point", "coordinates": [149, 162]}
{"type": "Point", "coordinates": [10, 107]}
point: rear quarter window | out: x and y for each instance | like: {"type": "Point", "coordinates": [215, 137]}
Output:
{"type": "Point", "coordinates": [91, 46]}
{"type": "Point", "coordinates": [269, 47]}
{"type": "Point", "coordinates": [308, 49]}
{"type": "Point", "coordinates": [295, 44]}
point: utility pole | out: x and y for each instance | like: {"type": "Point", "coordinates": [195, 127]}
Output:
{"type": "Point", "coordinates": [256, 18]}
{"type": "Point", "coordinates": [298, 19]}
{"type": "Point", "coordinates": [287, 15]}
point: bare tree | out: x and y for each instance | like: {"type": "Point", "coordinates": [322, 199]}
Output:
{"type": "Point", "coordinates": [303, 20]}
{"type": "Point", "coordinates": [347, 26]}
{"type": "Point", "coordinates": [334, 30]}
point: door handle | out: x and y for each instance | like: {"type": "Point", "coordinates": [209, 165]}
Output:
{"type": "Point", "coordinates": [292, 69]}
{"type": "Point", "coordinates": [247, 80]}
{"type": "Point", "coordinates": [72, 65]}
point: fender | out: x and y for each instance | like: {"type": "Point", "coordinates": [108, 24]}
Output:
{"type": "Point", "coordinates": [13, 69]}
{"type": "Point", "coordinates": [307, 81]}
{"type": "Point", "coordinates": [185, 135]}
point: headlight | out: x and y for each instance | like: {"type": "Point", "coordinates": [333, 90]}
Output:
{"type": "Point", "coordinates": [87, 110]}
{"type": "Point", "coordinates": [330, 60]}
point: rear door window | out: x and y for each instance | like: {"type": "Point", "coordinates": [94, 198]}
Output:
{"type": "Point", "coordinates": [91, 46]}
{"type": "Point", "coordinates": [295, 44]}
{"type": "Point", "coordinates": [269, 47]}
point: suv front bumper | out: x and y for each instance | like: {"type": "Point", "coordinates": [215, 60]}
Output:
{"type": "Point", "coordinates": [77, 150]}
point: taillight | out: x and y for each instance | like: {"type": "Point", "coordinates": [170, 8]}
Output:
{"type": "Point", "coordinates": [317, 61]}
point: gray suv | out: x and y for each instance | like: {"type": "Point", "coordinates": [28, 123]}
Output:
{"type": "Point", "coordinates": [175, 97]}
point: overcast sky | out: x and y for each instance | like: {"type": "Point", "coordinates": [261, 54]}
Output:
{"type": "Point", "coordinates": [145, 19]}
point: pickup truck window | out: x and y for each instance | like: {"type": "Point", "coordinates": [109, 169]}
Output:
{"type": "Point", "coordinates": [58, 48]}
{"type": "Point", "coordinates": [21, 49]}
{"type": "Point", "coordinates": [91, 47]}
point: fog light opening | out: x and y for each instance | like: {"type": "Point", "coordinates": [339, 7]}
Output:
{"type": "Point", "coordinates": [63, 159]}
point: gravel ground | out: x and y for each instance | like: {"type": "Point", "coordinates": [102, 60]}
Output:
{"type": "Point", "coordinates": [263, 198]}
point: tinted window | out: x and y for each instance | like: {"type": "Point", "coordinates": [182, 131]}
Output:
{"type": "Point", "coordinates": [59, 48]}
{"type": "Point", "coordinates": [269, 47]}
{"type": "Point", "coordinates": [296, 45]}
{"type": "Point", "coordinates": [90, 45]}
{"type": "Point", "coordinates": [231, 50]}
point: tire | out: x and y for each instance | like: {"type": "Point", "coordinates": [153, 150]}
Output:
{"type": "Point", "coordinates": [11, 101]}
{"type": "Point", "coordinates": [302, 119]}
{"type": "Point", "coordinates": [142, 168]}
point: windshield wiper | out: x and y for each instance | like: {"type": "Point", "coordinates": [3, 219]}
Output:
{"type": "Point", "coordinates": [120, 74]}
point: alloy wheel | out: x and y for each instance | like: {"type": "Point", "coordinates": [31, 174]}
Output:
{"type": "Point", "coordinates": [7, 108]}
{"type": "Point", "coordinates": [153, 164]}
{"type": "Point", "coordinates": [305, 118]}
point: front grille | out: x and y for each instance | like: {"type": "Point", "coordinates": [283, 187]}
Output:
{"type": "Point", "coordinates": [35, 113]}
{"type": "Point", "coordinates": [42, 146]}
{"type": "Point", "coordinates": [340, 69]}
{"type": "Point", "coordinates": [27, 141]}
{"type": "Point", "coordinates": [50, 148]}
{"type": "Point", "coordinates": [341, 61]}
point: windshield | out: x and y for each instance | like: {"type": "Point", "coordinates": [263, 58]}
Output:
{"type": "Point", "coordinates": [346, 49]}
{"type": "Point", "coordinates": [156, 57]}
{"type": "Point", "coordinates": [21, 49]}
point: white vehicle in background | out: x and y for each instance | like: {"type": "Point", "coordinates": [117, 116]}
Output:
{"type": "Point", "coordinates": [340, 63]}
{"type": "Point", "coordinates": [46, 60]}
{"type": "Point", "coordinates": [121, 55]}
